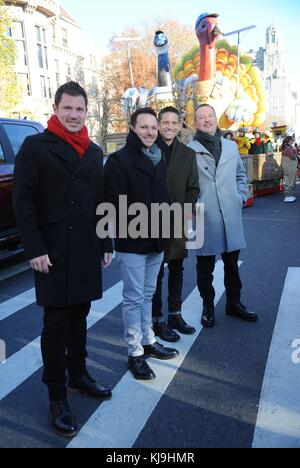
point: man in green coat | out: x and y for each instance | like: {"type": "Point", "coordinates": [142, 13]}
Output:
{"type": "Point", "coordinates": [183, 187]}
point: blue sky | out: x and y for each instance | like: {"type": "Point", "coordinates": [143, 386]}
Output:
{"type": "Point", "coordinates": [100, 20]}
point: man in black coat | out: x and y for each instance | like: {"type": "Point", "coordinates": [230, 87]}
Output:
{"type": "Point", "coordinates": [138, 172]}
{"type": "Point", "coordinates": [58, 185]}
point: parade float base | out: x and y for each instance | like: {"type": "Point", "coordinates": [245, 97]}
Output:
{"type": "Point", "coordinates": [267, 166]}
{"type": "Point", "coordinates": [263, 166]}
{"type": "Point", "coordinates": [263, 188]}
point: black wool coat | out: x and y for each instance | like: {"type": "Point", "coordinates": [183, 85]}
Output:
{"type": "Point", "coordinates": [130, 172]}
{"type": "Point", "coordinates": [56, 195]}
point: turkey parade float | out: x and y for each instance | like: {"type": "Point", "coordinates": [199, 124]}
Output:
{"type": "Point", "coordinates": [216, 73]}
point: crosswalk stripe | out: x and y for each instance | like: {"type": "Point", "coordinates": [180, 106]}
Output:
{"type": "Point", "coordinates": [27, 361]}
{"type": "Point", "coordinates": [278, 422]}
{"type": "Point", "coordinates": [119, 423]}
{"type": "Point", "coordinates": [12, 306]}
{"type": "Point", "coordinates": [15, 304]}
{"type": "Point", "coordinates": [13, 271]}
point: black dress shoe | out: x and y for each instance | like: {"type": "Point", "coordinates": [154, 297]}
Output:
{"type": "Point", "coordinates": [140, 369]}
{"type": "Point", "coordinates": [208, 317]}
{"type": "Point", "coordinates": [164, 332]}
{"type": "Point", "coordinates": [87, 385]}
{"type": "Point", "coordinates": [176, 322]}
{"type": "Point", "coordinates": [238, 310]}
{"type": "Point", "coordinates": [62, 419]}
{"type": "Point", "coordinates": [157, 351]}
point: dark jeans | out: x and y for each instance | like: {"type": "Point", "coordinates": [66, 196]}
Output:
{"type": "Point", "coordinates": [63, 344]}
{"type": "Point", "coordinates": [174, 286]}
{"type": "Point", "coordinates": [232, 280]}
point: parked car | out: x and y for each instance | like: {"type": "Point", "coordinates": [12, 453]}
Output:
{"type": "Point", "coordinates": [12, 135]}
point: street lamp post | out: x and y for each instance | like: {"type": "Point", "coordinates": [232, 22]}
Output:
{"type": "Point", "coordinates": [238, 32]}
{"type": "Point", "coordinates": [129, 40]}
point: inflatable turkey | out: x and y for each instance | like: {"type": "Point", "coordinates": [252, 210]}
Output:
{"type": "Point", "coordinates": [209, 74]}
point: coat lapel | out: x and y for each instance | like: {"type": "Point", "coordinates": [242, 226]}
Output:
{"type": "Point", "coordinates": [89, 158]}
{"type": "Point", "coordinates": [226, 153]}
{"type": "Point", "coordinates": [143, 163]}
{"type": "Point", "coordinates": [61, 149]}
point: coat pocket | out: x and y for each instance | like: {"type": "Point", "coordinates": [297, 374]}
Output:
{"type": "Point", "coordinates": [51, 217]}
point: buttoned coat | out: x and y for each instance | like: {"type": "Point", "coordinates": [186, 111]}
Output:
{"type": "Point", "coordinates": [55, 198]}
{"type": "Point", "coordinates": [183, 187]}
{"type": "Point", "coordinates": [129, 172]}
{"type": "Point", "coordinates": [223, 191]}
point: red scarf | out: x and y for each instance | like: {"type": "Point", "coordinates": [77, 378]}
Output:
{"type": "Point", "coordinates": [79, 141]}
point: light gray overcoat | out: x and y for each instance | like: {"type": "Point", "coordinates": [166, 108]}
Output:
{"type": "Point", "coordinates": [223, 190]}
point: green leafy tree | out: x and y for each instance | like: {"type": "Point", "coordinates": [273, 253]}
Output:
{"type": "Point", "coordinates": [10, 94]}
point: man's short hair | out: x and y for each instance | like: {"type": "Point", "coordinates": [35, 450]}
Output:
{"type": "Point", "coordinates": [167, 110]}
{"type": "Point", "coordinates": [72, 89]}
{"type": "Point", "coordinates": [143, 110]}
{"type": "Point", "coordinates": [205, 105]}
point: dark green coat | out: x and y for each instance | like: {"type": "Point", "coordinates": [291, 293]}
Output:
{"type": "Point", "coordinates": [183, 187]}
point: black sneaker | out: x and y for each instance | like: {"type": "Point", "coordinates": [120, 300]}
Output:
{"type": "Point", "coordinates": [164, 332]}
{"type": "Point", "coordinates": [140, 369]}
{"type": "Point", "coordinates": [176, 322]}
{"type": "Point", "coordinates": [158, 351]}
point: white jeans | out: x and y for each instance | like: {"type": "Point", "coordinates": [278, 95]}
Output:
{"type": "Point", "coordinates": [139, 274]}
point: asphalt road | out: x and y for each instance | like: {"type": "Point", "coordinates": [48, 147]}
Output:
{"type": "Point", "coordinates": [217, 394]}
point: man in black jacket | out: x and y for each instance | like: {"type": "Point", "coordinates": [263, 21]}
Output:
{"type": "Point", "coordinates": [138, 172]}
{"type": "Point", "coordinates": [58, 185]}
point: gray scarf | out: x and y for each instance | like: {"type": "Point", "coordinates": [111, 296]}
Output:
{"type": "Point", "coordinates": [153, 153]}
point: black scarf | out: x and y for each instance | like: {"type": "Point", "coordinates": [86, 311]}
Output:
{"type": "Point", "coordinates": [166, 149]}
{"type": "Point", "coordinates": [212, 143]}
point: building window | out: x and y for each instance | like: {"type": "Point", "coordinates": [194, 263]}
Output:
{"type": "Point", "coordinates": [42, 50]}
{"type": "Point", "coordinates": [43, 87]}
{"type": "Point", "coordinates": [16, 32]}
{"type": "Point", "coordinates": [68, 72]}
{"type": "Point", "coordinates": [23, 80]}
{"type": "Point", "coordinates": [49, 88]}
{"type": "Point", "coordinates": [94, 87]}
{"type": "Point", "coordinates": [57, 74]}
{"type": "Point", "coordinates": [46, 91]}
{"type": "Point", "coordinates": [53, 31]}
{"type": "Point", "coordinates": [65, 38]}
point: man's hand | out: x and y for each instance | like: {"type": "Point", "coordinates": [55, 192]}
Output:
{"type": "Point", "coordinates": [41, 264]}
{"type": "Point", "coordinates": [107, 259]}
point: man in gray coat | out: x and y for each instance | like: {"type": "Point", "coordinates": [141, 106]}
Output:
{"type": "Point", "coordinates": [223, 191]}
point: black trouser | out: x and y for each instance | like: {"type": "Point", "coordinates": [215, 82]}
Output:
{"type": "Point", "coordinates": [232, 280]}
{"type": "Point", "coordinates": [175, 285]}
{"type": "Point", "coordinates": [63, 344]}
